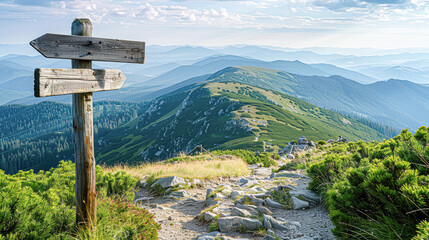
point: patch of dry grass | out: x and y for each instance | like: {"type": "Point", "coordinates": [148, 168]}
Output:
{"type": "Point", "coordinates": [201, 169]}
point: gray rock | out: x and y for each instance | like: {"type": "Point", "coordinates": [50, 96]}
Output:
{"type": "Point", "coordinates": [273, 203]}
{"type": "Point", "coordinates": [261, 195]}
{"type": "Point", "coordinates": [209, 192]}
{"type": "Point", "coordinates": [240, 212]}
{"type": "Point", "coordinates": [251, 199]}
{"type": "Point", "coordinates": [308, 195]}
{"type": "Point", "coordinates": [262, 171]}
{"type": "Point", "coordinates": [167, 182]}
{"type": "Point", "coordinates": [290, 156]}
{"type": "Point", "coordinates": [227, 191]}
{"type": "Point", "coordinates": [272, 223]}
{"type": "Point", "coordinates": [218, 195]}
{"type": "Point", "coordinates": [208, 236]}
{"type": "Point", "coordinates": [235, 194]}
{"type": "Point", "coordinates": [179, 194]}
{"type": "Point", "coordinates": [250, 208]}
{"type": "Point", "coordinates": [299, 204]}
{"type": "Point", "coordinates": [269, 237]}
{"type": "Point", "coordinates": [236, 224]}
{"type": "Point", "coordinates": [209, 216]}
{"type": "Point", "coordinates": [211, 202]}
{"type": "Point", "coordinates": [264, 210]}
{"type": "Point", "coordinates": [256, 165]}
{"type": "Point", "coordinates": [242, 181]}
{"type": "Point", "coordinates": [142, 183]}
{"type": "Point", "coordinates": [198, 182]}
{"type": "Point", "coordinates": [305, 238]}
{"type": "Point", "coordinates": [286, 187]}
{"type": "Point", "coordinates": [288, 174]}
{"type": "Point", "coordinates": [250, 183]}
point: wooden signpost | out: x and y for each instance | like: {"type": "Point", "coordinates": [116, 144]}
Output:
{"type": "Point", "coordinates": [81, 81]}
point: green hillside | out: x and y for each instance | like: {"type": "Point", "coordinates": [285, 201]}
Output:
{"type": "Point", "coordinates": [225, 115]}
{"type": "Point", "coordinates": [401, 104]}
{"type": "Point", "coordinates": [40, 135]}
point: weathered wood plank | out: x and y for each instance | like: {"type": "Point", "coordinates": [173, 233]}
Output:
{"type": "Point", "coordinates": [53, 81]}
{"type": "Point", "coordinates": [84, 142]}
{"type": "Point", "coordinates": [89, 48]}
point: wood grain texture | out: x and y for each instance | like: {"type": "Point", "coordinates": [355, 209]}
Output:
{"type": "Point", "coordinates": [84, 142]}
{"type": "Point", "coordinates": [53, 81]}
{"type": "Point", "coordinates": [89, 48]}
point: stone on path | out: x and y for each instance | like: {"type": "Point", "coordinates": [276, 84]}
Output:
{"type": "Point", "coordinates": [240, 212]}
{"type": "Point", "coordinates": [273, 203]}
{"type": "Point", "coordinates": [236, 194]}
{"type": "Point", "coordinates": [272, 223]}
{"type": "Point", "coordinates": [289, 174]}
{"type": "Point", "coordinates": [209, 216]}
{"type": "Point", "coordinates": [264, 210]}
{"type": "Point", "coordinates": [250, 199]}
{"type": "Point", "coordinates": [211, 202]}
{"type": "Point", "coordinates": [216, 236]}
{"type": "Point", "coordinates": [167, 182]}
{"type": "Point", "coordinates": [250, 183]}
{"type": "Point", "coordinates": [307, 195]}
{"type": "Point", "coordinates": [298, 204]}
{"type": "Point", "coordinates": [237, 224]}
{"type": "Point", "coordinates": [179, 194]}
{"type": "Point", "coordinates": [250, 208]}
{"type": "Point", "coordinates": [262, 171]}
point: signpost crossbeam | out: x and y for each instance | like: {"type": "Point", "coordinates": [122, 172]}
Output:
{"type": "Point", "coordinates": [89, 48]}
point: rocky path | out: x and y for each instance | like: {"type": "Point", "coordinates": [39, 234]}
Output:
{"type": "Point", "coordinates": [240, 208]}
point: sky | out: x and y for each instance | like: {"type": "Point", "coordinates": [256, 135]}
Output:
{"type": "Point", "coordinates": [382, 24]}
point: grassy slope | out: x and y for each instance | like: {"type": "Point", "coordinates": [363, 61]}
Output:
{"type": "Point", "coordinates": [221, 115]}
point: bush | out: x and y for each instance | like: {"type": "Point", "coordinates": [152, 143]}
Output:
{"type": "Point", "coordinates": [376, 190]}
{"type": "Point", "coordinates": [42, 206]}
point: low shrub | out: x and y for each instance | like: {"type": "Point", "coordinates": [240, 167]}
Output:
{"type": "Point", "coordinates": [42, 206]}
{"type": "Point", "coordinates": [376, 190]}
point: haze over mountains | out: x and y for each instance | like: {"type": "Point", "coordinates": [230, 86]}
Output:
{"type": "Point", "coordinates": [170, 68]}
{"type": "Point", "coordinates": [232, 97]}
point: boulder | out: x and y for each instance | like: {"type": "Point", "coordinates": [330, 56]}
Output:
{"type": "Point", "coordinates": [250, 183]}
{"type": "Point", "coordinates": [262, 171]}
{"type": "Point", "coordinates": [290, 156]}
{"type": "Point", "coordinates": [142, 183]}
{"type": "Point", "coordinates": [167, 182]}
{"type": "Point", "coordinates": [298, 204]}
{"type": "Point", "coordinates": [235, 194]}
{"type": "Point", "coordinates": [240, 212]}
{"type": "Point", "coordinates": [179, 194]}
{"type": "Point", "coordinates": [250, 199]}
{"type": "Point", "coordinates": [249, 208]}
{"type": "Point", "coordinates": [256, 165]}
{"type": "Point", "coordinates": [237, 224]}
{"type": "Point", "coordinates": [211, 202]}
{"type": "Point", "coordinates": [272, 223]}
{"type": "Point", "coordinates": [302, 141]}
{"type": "Point", "coordinates": [209, 216]}
{"type": "Point", "coordinates": [264, 210]}
{"type": "Point", "coordinates": [242, 181]}
{"type": "Point", "coordinates": [307, 195]}
{"type": "Point", "coordinates": [227, 191]}
{"type": "Point", "coordinates": [209, 192]}
{"type": "Point", "coordinates": [288, 174]}
{"type": "Point", "coordinates": [273, 203]}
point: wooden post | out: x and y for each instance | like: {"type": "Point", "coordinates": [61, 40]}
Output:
{"type": "Point", "coordinates": [84, 141]}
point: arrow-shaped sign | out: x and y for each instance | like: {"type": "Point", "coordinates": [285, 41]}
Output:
{"type": "Point", "coordinates": [89, 48]}
{"type": "Point", "coordinates": [53, 81]}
